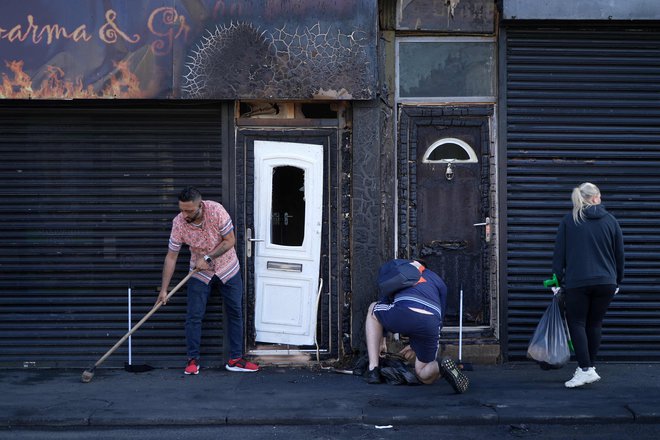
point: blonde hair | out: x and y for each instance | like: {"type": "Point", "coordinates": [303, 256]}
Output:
{"type": "Point", "coordinates": [582, 196]}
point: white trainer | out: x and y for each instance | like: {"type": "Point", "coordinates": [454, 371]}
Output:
{"type": "Point", "coordinates": [582, 377]}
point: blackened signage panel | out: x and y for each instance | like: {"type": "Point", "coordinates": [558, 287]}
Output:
{"type": "Point", "coordinates": [184, 49]}
{"type": "Point", "coordinates": [460, 16]}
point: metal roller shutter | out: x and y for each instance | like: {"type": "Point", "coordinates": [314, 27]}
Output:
{"type": "Point", "coordinates": [87, 196]}
{"type": "Point", "coordinates": [584, 105]}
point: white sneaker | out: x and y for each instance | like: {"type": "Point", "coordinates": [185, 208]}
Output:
{"type": "Point", "coordinates": [582, 377]}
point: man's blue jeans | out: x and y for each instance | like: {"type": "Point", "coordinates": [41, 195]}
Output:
{"type": "Point", "coordinates": [198, 295]}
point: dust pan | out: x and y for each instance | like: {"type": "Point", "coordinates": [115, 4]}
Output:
{"type": "Point", "coordinates": [140, 368]}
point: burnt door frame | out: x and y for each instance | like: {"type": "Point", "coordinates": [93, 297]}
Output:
{"type": "Point", "coordinates": [410, 120]}
{"type": "Point", "coordinates": [328, 318]}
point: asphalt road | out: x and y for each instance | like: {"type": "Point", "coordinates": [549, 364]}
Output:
{"type": "Point", "coordinates": [355, 431]}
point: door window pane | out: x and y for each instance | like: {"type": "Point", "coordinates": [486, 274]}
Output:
{"type": "Point", "coordinates": [288, 207]}
{"type": "Point", "coordinates": [446, 68]}
{"type": "Point", "coordinates": [449, 149]}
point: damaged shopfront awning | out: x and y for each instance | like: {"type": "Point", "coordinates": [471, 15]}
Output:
{"type": "Point", "coordinates": [184, 49]}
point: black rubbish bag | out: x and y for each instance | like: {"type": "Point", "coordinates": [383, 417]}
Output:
{"type": "Point", "coordinates": [393, 368]}
{"type": "Point", "coordinates": [396, 372]}
{"type": "Point", "coordinates": [549, 344]}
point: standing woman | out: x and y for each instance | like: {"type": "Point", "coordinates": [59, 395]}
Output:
{"type": "Point", "coordinates": [588, 261]}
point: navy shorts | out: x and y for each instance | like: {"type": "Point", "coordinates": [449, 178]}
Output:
{"type": "Point", "coordinates": [422, 330]}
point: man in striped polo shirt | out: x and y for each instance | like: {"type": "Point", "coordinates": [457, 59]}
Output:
{"type": "Point", "coordinates": [207, 229]}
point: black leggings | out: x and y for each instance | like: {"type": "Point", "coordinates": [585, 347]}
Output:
{"type": "Point", "coordinates": [585, 310]}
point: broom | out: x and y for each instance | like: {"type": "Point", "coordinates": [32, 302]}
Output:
{"type": "Point", "coordinates": [88, 374]}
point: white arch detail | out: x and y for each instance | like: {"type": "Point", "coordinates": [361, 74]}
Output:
{"type": "Point", "coordinates": [472, 156]}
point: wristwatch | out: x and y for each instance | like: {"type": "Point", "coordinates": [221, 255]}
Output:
{"type": "Point", "coordinates": [208, 259]}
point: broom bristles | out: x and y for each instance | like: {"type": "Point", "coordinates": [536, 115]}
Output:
{"type": "Point", "coordinates": [87, 376]}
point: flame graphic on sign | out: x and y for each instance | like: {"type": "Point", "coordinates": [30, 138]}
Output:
{"type": "Point", "coordinates": [121, 83]}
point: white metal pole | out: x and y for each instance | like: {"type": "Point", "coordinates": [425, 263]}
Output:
{"type": "Point", "coordinates": [130, 360]}
{"type": "Point", "coordinates": [460, 327]}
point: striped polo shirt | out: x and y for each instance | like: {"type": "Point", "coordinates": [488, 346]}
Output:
{"type": "Point", "coordinates": [201, 240]}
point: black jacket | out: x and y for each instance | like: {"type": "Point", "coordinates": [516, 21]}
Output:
{"type": "Point", "coordinates": [590, 252]}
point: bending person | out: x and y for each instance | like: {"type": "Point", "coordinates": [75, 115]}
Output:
{"type": "Point", "coordinates": [416, 312]}
{"type": "Point", "coordinates": [207, 229]}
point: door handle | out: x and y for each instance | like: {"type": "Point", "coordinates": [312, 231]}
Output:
{"type": "Point", "coordinates": [487, 222]}
{"type": "Point", "coordinates": [251, 240]}
{"type": "Point", "coordinates": [487, 225]}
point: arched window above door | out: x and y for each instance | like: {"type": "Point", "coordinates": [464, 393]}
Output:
{"type": "Point", "coordinates": [450, 150]}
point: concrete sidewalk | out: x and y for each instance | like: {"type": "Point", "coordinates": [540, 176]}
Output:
{"type": "Point", "coordinates": [507, 394]}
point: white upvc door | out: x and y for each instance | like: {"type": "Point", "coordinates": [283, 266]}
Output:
{"type": "Point", "coordinates": [288, 209]}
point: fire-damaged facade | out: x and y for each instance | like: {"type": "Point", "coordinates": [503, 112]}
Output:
{"type": "Point", "coordinates": [110, 108]}
{"type": "Point", "coordinates": [338, 134]}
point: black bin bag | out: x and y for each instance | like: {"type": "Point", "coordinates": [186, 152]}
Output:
{"type": "Point", "coordinates": [549, 344]}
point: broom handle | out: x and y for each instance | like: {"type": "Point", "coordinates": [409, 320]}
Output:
{"type": "Point", "coordinates": [143, 320]}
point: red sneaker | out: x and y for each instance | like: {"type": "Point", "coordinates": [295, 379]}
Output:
{"type": "Point", "coordinates": [241, 365]}
{"type": "Point", "coordinates": [192, 367]}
